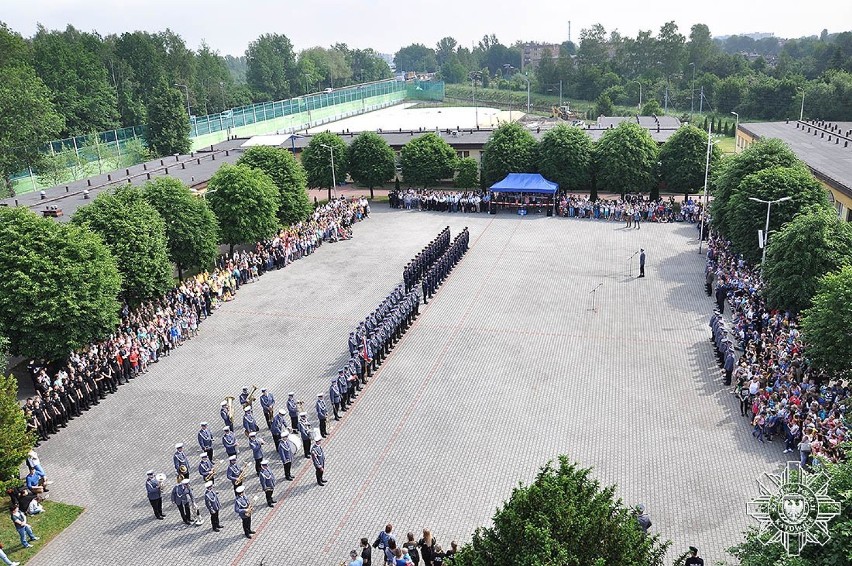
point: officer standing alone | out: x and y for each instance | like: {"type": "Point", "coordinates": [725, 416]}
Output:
{"type": "Point", "coordinates": [641, 262]}
{"type": "Point", "coordinates": [318, 460]}
{"type": "Point", "coordinates": [155, 494]}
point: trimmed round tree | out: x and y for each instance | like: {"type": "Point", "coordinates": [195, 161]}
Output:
{"type": "Point", "coordinates": [372, 162]}
{"type": "Point", "coordinates": [565, 157]}
{"type": "Point", "coordinates": [289, 176]}
{"type": "Point", "coordinates": [683, 159]}
{"type": "Point", "coordinates": [746, 217]}
{"type": "Point", "coordinates": [563, 517]}
{"type": "Point", "coordinates": [625, 159]}
{"type": "Point", "coordinates": [760, 155]}
{"type": "Point", "coordinates": [191, 229]}
{"type": "Point", "coordinates": [426, 160]}
{"type": "Point", "coordinates": [317, 159]}
{"type": "Point", "coordinates": [467, 174]}
{"type": "Point", "coordinates": [60, 286]}
{"type": "Point", "coordinates": [136, 235]}
{"type": "Point", "coordinates": [510, 149]}
{"type": "Point", "coordinates": [814, 243]}
{"type": "Point", "coordinates": [826, 324]}
{"type": "Point", "coordinates": [245, 201]}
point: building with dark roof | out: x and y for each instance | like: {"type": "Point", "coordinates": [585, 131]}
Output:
{"type": "Point", "coordinates": [825, 147]}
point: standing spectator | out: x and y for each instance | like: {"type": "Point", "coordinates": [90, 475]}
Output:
{"type": "Point", "coordinates": [5, 559]}
{"type": "Point", "coordinates": [450, 555]}
{"type": "Point", "coordinates": [427, 547]}
{"type": "Point", "coordinates": [354, 559]}
{"type": "Point", "coordinates": [19, 518]}
{"type": "Point", "coordinates": [381, 542]}
{"type": "Point", "coordinates": [438, 557]}
{"type": "Point", "coordinates": [366, 552]}
{"type": "Point", "coordinates": [411, 547]}
{"type": "Point", "coordinates": [643, 518]}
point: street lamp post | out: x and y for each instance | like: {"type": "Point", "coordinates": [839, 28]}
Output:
{"type": "Point", "coordinates": [736, 127]}
{"type": "Point", "coordinates": [706, 175]}
{"type": "Point", "coordinates": [802, 111]}
{"type": "Point", "coordinates": [692, 94]}
{"type": "Point", "coordinates": [474, 76]}
{"type": "Point", "coordinates": [188, 109]}
{"type": "Point", "coordinates": [768, 204]}
{"type": "Point", "coordinates": [333, 176]}
{"type": "Point", "coordinates": [526, 78]}
{"type": "Point", "coordinates": [640, 94]}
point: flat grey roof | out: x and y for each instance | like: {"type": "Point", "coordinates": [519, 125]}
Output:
{"type": "Point", "coordinates": [826, 147]}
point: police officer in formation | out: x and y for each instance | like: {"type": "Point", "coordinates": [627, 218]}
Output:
{"type": "Point", "coordinates": [205, 469]}
{"type": "Point", "coordinates": [182, 497]}
{"type": "Point", "coordinates": [335, 397]}
{"type": "Point", "coordinates": [229, 441]}
{"type": "Point", "coordinates": [444, 264]}
{"type": "Point", "coordinates": [318, 460]}
{"type": "Point", "coordinates": [244, 397]}
{"type": "Point", "coordinates": [417, 268]}
{"type": "Point", "coordinates": [234, 472]}
{"type": "Point", "coordinates": [267, 482]}
{"type": "Point", "coordinates": [278, 426]}
{"type": "Point", "coordinates": [343, 388]}
{"type": "Point", "coordinates": [725, 353]}
{"type": "Point", "coordinates": [267, 402]}
{"type": "Point", "coordinates": [285, 452]}
{"type": "Point", "coordinates": [180, 461]}
{"type": "Point", "coordinates": [243, 510]}
{"type": "Point", "coordinates": [249, 424]}
{"type": "Point", "coordinates": [305, 433]}
{"type": "Point", "coordinates": [293, 410]}
{"type": "Point", "coordinates": [155, 494]}
{"type": "Point", "coordinates": [211, 501]}
{"type": "Point", "coordinates": [256, 445]}
{"type": "Point", "coordinates": [205, 440]}
{"type": "Point", "coordinates": [322, 415]}
{"type": "Point", "coordinates": [226, 417]}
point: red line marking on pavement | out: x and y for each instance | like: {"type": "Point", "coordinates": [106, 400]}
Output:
{"type": "Point", "coordinates": [417, 398]}
{"type": "Point", "coordinates": [301, 473]}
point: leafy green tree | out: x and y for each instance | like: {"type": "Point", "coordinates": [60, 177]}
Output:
{"type": "Point", "coordinates": [416, 57]}
{"type": "Point", "coordinates": [467, 173]}
{"type": "Point", "coordinates": [15, 441]}
{"type": "Point", "coordinates": [289, 176]}
{"type": "Point", "coordinates": [245, 201]}
{"type": "Point", "coordinates": [746, 217]}
{"type": "Point", "coordinates": [726, 178]}
{"type": "Point", "coordinates": [168, 124]}
{"type": "Point", "coordinates": [563, 517]}
{"type": "Point", "coordinates": [60, 285]}
{"type": "Point", "coordinates": [28, 119]}
{"type": "Point", "coordinates": [427, 159]}
{"type": "Point", "coordinates": [191, 229]}
{"type": "Point", "coordinates": [135, 233]}
{"type": "Point", "coordinates": [565, 157]}
{"type": "Point", "coordinates": [69, 63]}
{"type": "Point", "coordinates": [603, 106]}
{"type": "Point", "coordinates": [826, 324]}
{"type": "Point", "coordinates": [317, 159]}
{"type": "Point", "coordinates": [510, 149]}
{"type": "Point", "coordinates": [53, 169]}
{"type": "Point", "coordinates": [683, 159]}
{"type": "Point", "coordinates": [626, 158]}
{"type": "Point", "coordinates": [652, 108]}
{"type": "Point", "coordinates": [372, 162]}
{"type": "Point", "coordinates": [814, 243]}
{"type": "Point", "coordinates": [271, 67]}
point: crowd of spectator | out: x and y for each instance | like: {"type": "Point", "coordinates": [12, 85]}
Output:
{"type": "Point", "coordinates": [386, 550]}
{"type": "Point", "coordinates": [440, 201]}
{"type": "Point", "coordinates": [779, 392]}
{"type": "Point", "coordinates": [633, 208]}
{"type": "Point", "coordinates": [154, 329]}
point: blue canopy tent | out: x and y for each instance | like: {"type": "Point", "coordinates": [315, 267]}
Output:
{"type": "Point", "coordinates": [523, 191]}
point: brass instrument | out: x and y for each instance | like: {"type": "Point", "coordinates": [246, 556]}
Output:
{"type": "Point", "coordinates": [250, 509]}
{"type": "Point", "coordinates": [300, 406]}
{"type": "Point", "coordinates": [242, 475]}
{"type": "Point", "coordinates": [230, 400]}
{"type": "Point", "coordinates": [250, 399]}
{"type": "Point", "coordinates": [212, 473]}
{"type": "Point", "coordinates": [161, 480]}
{"type": "Point", "coordinates": [181, 474]}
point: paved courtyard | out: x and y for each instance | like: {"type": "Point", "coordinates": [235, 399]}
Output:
{"type": "Point", "coordinates": [505, 369]}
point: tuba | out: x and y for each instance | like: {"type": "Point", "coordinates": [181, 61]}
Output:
{"type": "Point", "coordinates": [251, 397]}
{"type": "Point", "coordinates": [300, 406]}
{"type": "Point", "coordinates": [161, 479]}
{"type": "Point", "coordinates": [230, 400]}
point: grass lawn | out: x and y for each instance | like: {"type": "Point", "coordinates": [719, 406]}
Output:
{"type": "Point", "coordinates": [725, 144]}
{"type": "Point", "coordinates": [45, 525]}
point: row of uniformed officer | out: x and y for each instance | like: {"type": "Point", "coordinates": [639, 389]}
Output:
{"type": "Point", "coordinates": [419, 266]}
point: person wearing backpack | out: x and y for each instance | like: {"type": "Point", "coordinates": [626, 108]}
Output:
{"type": "Point", "coordinates": [381, 542]}
{"type": "Point", "coordinates": [413, 553]}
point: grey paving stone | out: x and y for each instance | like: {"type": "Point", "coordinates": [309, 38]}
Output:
{"type": "Point", "coordinates": [506, 368]}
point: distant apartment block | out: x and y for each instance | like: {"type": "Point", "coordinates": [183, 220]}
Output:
{"type": "Point", "coordinates": [533, 53]}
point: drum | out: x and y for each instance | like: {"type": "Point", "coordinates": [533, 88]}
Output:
{"type": "Point", "coordinates": [316, 434]}
{"type": "Point", "coordinates": [295, 442]}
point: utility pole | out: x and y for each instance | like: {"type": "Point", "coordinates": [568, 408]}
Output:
{"type": "Point", "coordinates": [701, 101]}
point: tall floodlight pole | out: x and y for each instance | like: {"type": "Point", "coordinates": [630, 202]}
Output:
{"type": "Point", "coordinates": [692, 93]}
{"type": "Point", "coordinates": [768, 204]}
{"type": "Point", "coordinates": [802, 111]}
{"type": "Point", "coordinates": [640, 93]}
{"type": "Point", "coordinates": [188, 109]}
{"type": "Point", "coordinates": [736, 127]}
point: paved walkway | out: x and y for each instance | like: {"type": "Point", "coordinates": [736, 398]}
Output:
{"type": "Point", "coordinates": [505, 369]}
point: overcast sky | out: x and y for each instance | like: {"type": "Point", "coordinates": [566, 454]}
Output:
{"type": "Point", "coordinates": [228, 25]}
